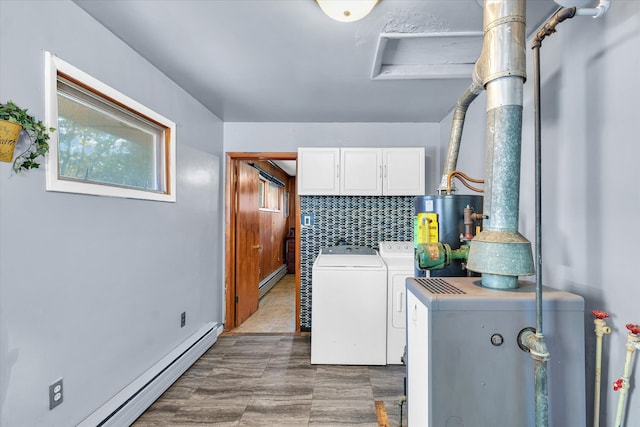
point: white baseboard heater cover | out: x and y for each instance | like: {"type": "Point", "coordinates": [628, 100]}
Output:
{"type": "Point", "coordinates": [271, 280]}
{"type": "Point", "coordinates": [126, 406]}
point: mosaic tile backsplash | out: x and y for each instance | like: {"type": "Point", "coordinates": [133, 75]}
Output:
{"type": "Point", "coordinates": [356, 220]}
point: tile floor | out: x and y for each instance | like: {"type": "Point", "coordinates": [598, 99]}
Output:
{"type": "Point", "coordinates": [276, 312]}
{"type": "Point", "coordinates": [260, 374]}
{"type": "Point", "coordinates": [267, 380]}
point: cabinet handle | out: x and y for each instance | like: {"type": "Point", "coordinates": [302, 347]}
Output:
{"type": "Point", "coordinates": [414, 314]}
{"type": "Point", "coordinates": [400, 301]}
{"type": "Point", "coordinates": [338, 171]}
{"type": "Point", "coordinates": [385, 171]}
{"type": "Point", "coordinates": [380, 171]}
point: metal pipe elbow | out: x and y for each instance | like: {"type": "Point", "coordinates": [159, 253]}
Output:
{"type": "Point", "coordinates": [535, 344]}
{"type": "Point", "coordinates": [597, 11]}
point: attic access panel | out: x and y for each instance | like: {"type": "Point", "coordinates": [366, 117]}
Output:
{"type": "Point", "coordinates": [447, 55]}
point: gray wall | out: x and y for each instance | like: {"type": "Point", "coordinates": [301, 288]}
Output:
{"type": "Point", "coordinates": [591, 182]}
{"type": "Point", "coordinates": [91, 288]}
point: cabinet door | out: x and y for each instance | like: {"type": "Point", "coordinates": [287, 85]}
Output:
{"type": "Point", "coordinates": [318, 171]}
{"type": "Point", "coordinates": [361, 171]}
{"type": "Point", "coordinates": [404, 171]}
{"type": "Point", "coordinates": [417, 362]}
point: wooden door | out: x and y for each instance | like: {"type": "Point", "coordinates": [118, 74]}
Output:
{"type": "Point", "coordinates": [247, 242]}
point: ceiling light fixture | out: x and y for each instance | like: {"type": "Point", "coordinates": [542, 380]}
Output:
{"type": "Point", "coordinates": [346, 10]}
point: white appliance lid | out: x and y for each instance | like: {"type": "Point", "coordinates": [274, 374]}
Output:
{"type": "Point", "coordinates": [336, 260]}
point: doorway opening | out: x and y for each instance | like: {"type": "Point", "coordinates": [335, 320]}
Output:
{"type": "Point", "coordinates": [246, 246]}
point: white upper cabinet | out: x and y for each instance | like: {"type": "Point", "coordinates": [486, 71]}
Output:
{"type": "Point", "coordinates": [403, 171]}
{"type": "Point", "coordinates": [318, 171]}
{"type": "Point", "coordinates": [361, 171]}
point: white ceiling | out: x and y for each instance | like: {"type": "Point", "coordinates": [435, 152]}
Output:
{"type": "Point", "coordinates": [285, 61]}
{"type": "Point", "coordinates": [288, 166]}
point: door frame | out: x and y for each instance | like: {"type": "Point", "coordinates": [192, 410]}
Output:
{"type": "Point", "coordinates": [230, 232]}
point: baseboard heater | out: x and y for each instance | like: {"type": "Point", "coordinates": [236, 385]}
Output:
{"type": "Point", "coordinates": [271, 280]}
{"type": "Point", "coordinates": [125, 407]}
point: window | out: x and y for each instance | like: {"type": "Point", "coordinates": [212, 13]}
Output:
{"type": "Point", "coordinates": [269, 195]}
{"type": "Point", "coordinates": [261, 199]}
{"type": "Point", "coordinates": [105, 143]}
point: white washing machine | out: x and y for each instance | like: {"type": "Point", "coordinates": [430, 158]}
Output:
{"type": "Point", "coordinates": [349, 307]}
{"type": "Point", "coordinates": [398, 256]}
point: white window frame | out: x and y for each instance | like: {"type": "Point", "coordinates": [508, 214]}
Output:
{"type": "Point", "coordinates": [55, 66]}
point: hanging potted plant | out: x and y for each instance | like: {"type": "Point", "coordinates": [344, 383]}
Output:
{"type": "Point", "coordinates": [14, 120]}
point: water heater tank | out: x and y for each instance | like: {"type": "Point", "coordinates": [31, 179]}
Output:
{"type": "Point", "coordinates": [448, 211]}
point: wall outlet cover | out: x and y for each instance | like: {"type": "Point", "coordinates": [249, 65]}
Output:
{"type": "Point", "coordinates": [55, 394]}
{"type": "Point", "coordinates": [307, 219]}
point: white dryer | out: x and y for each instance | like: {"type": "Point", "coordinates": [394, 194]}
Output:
{"type": "Point", "coordinates": [348, 307]}
{"type": "Point", "coordinates": [398, 256]}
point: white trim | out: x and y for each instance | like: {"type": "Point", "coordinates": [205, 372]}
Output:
{"type": "Point", "coordinates": [53, 65]}
{"type": "Point", "coordinates": [219, 330]}
{"type": "Point", "coordinates": [126, 406]}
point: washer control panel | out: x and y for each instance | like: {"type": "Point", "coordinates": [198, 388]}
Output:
{"type": "Point", "coordinates": [390, 249]}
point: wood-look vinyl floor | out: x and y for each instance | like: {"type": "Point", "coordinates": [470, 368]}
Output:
{"type": "Point", "coordinates": [276, 311]}
{"type": "Point", "coordinates": [260, 374]}
{"type": "Point", "coordinates": [268, 380]}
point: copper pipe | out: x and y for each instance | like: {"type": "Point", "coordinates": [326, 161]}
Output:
{"type": "Point", "coordinates": [463, 178]}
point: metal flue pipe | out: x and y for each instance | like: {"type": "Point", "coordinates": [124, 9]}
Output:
{"type": "Point", "coordinates": [500, 252]}
{"type": "Point", "coordinates": [457, 125]}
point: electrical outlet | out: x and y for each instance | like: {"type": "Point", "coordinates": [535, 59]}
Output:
{"type": "Point", "coordinates": [55, 394]}
{"type": "Point", "coordinates": [183, 319]}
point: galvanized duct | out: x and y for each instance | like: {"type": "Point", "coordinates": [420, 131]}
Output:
{"type": "Point", "coordinates": [457, 125]}
{"type": "Point", "coordinates": [500, 252]}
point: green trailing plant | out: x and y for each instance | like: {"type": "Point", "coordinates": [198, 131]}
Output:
{"type": "Point", "coordinates": [36, 131]}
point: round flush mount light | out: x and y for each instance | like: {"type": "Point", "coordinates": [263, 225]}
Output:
{"type": "Point", "coordinates": [346, 10]}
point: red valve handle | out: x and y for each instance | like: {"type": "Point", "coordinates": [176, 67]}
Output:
{"type": "Point", "coordinates": [617, 385]}
{"type": "Point", "coordinates": [635, 329]}
{"type": "Point", "coordinates": [600, 314]}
